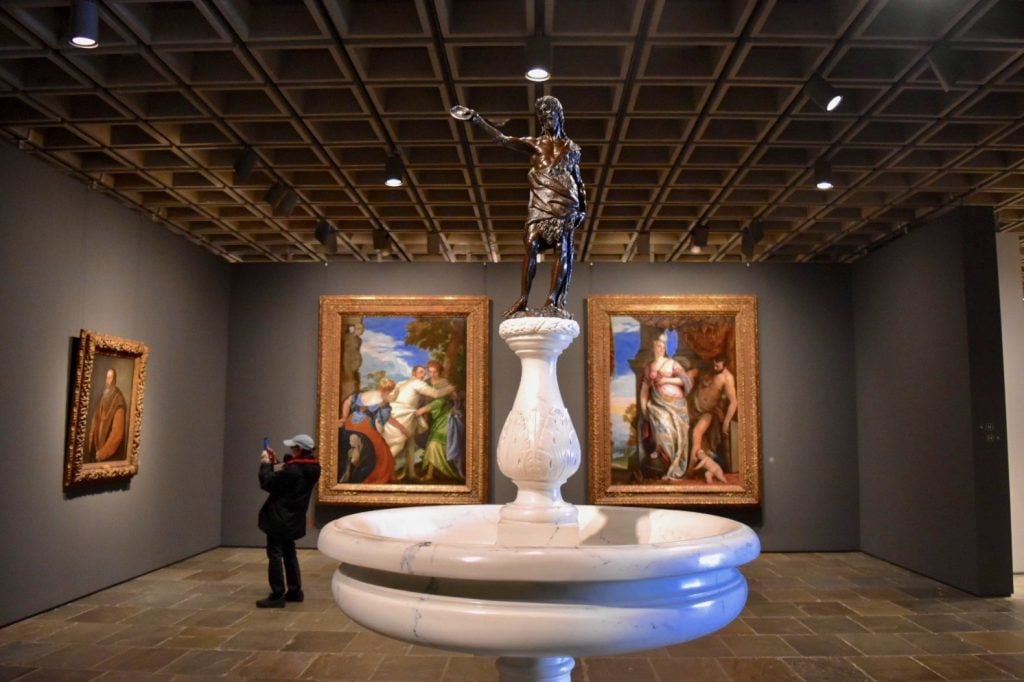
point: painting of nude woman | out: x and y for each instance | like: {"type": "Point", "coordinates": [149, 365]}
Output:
{"type": "Point", "coordinates": [674, 385]}
{"type": "Point", "coordinates": [402, 400]}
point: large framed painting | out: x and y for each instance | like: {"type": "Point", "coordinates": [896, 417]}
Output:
{"type": "Point", "coordinates": [105, 420]}
{"type": "Point", "coordinates": [673, 384]}
{"type": "Point", "coordinates": [403, 408]}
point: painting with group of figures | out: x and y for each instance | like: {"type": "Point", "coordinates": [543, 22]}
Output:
{"type": "Point", "coordinates": [402, 404]}
{"type": "Point", "coordinates": [673, 417]}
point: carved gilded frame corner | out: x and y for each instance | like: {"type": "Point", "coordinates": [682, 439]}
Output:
{"type": "Point", "coordinates": [95, 453]}
{"type": "Point", "coordinates": [625, 467]}
{"type": "Point", "coordinates": [343, 319]}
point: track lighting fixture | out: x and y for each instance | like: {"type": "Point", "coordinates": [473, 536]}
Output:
{"type": "Point", "coordinates": [643, 244]}
{"type": "Point", "coordinates": [699, 237]}
{"type": "Point", "coordinates": [282, 199]}
{"type": "Point", "coordinates": [823, 177]}
{"type": "Point", "coordinates": [823, 93]}
{"type": "Point", "coordinates": [434, 245]}
{"type": "Point", "coordinates": [245, 164]}
{"type": "Point", "coordinates": [394, 170]}
{"type": "Point", "coordinates": [85, 24]}
{"type": "Point", "coordinates": [287, 203]}
{"type": "Point", "coordinates": [326, 235]}
{"type": "Point", "coordinates": [752, 235]}
{"type": "Point", "coordinates": [538, 59]}
{"type": "Point", "coordinates": [381, 242]}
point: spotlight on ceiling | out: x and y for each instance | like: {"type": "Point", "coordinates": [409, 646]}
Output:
{"type": "Point", "coordinates": [85, 24]}
{"type": "Point", "coordinates": [326, 235]}
{"type": "Point", "coordinates": [434, 245]}
{"type": "Point", "coordinates": [275, 194]}
{"type": "Point", "coordinates": [287, 204]}
{"type": "Point", "coordinates": [245, 164]}
{"type": "Point", "coordinates": [823, 177]}
{"type": "Point", "coordinates": [699, 237]}
{"type": "Point", "coordinates": [381, 241]}
{"type": "Point", "coordinates": [823, 93]}
{"type": "Point", "coordinates": [394, 170]}
{"type": "Point", "coordinates": [538, 59]}
{"type": "Point", "coordinates": [643, 244]}
{"type": "Point", "coordinates": [752, 235]}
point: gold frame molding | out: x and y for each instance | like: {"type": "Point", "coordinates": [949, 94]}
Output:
{"type": "Point", "coordinates": [601, 488]}
{"type": "Point", "coordinates": [333, 312]}
{"type": "Point", "coordinates": [90, 345]}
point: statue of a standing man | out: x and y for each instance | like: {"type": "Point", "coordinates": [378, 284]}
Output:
{"type": "Point", "coordinates": [558, 200]}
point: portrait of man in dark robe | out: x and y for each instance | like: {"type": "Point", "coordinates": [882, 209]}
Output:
{"type": "Point", "coordinates": [108, 414]}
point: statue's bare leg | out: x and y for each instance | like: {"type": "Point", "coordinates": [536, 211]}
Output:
{"type": "Point", "coordinates": [529, 269]}
{"type": "Point", "coordinates": [568, 252]}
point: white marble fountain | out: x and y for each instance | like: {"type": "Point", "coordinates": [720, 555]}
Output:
{"type": "Point", "coordinates": [538, 581]}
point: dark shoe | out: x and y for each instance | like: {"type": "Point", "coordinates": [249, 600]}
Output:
{"type": "Point", "coordinates": [294, 595]}
{"type": "Point", "coordinates": [271, 602]}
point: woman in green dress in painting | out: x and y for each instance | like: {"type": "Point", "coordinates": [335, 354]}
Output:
{"type": "Point", "coordinates": [440, 457]}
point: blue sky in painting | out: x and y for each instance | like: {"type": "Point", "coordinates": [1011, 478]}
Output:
{"type": "Point", "coordinates": [384, 347]}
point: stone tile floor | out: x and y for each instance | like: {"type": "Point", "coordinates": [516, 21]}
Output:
{"type": "Point", "coordinates": [842, 616]}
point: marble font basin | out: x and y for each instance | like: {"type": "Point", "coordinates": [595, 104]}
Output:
{"type": "Point", "coordinates": [639, 579]}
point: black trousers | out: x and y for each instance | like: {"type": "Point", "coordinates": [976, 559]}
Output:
{"type": "Point", "coordinates": [282, 566]}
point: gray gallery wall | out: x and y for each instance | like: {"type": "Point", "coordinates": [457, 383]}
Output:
{"type": "Point", "coordinates": [73, 259]}
{"type": "Point", "coordinates": [1011, 303]}
{"type": "Point", "coordinates": [807, 376]}
{"type": "Point", "coordinates": [933, 492]}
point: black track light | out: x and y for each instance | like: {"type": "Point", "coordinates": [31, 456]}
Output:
{"type": "Point", "coordinates": [538, 59]}
{"type": "Point", "coordinates": [287, 204]}
{"type": "Point", "coordinates": [752, 235]}
{"type": "Point", "coordinates": [699, 237]}
{"type": "Point", "coordinates": [823, 93]}
{"type": "Point", "coordinates": [245, 164]}
{"type": "Point", "coordinates": [381, 241]}
{"type": "Point", "coordinates": [394, 171]}
{"type": "Point", "coordinates": [275, 194]}
{"type": "Point", "coordinates": [85, 24]}
{"type": "Point", "coordinates": [326, 235]}
{"type": "Point", "coordinates": [643, 244]}
{"type": "Point", "coordinates": [434, 245]}
{"type": "Point", "coordinates": [823, 177]}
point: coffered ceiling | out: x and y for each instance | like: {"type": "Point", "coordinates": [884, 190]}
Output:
{"type": "Point", "coordinates": [688, 112]}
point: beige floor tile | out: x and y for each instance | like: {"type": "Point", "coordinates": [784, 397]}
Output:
{"type": "Point", "coordinates": [677, 669]}
{"type": "Point", "coordinates": [343, 666]}
{"type": "Point", "coordinates": [962, 667]}
{"type": "Point", "coordinates": [881, 644]}
{"type": "Point", "coordinates": [777, 626]}
{"type": "Point", "coordinates": [617, 668]}
{"type": "Point", "coordinates": [941, 643]}
{"type": "Point", "coordinates": [475, 668]}
{"type": "Point", "coordinates": [826, 669]}
{"type": "Point", "coordinates": [141, 635]}
{"type": "Point", "coordinates": [758, 645]}
{"type": "Point", "coordinates": [59, 675]}
{"type": "Point", "coordinates": [997, 642]}
{"type": "Point", "coordinates": [75, 656]}
{"type": "Point", "coordinates": [287, 665]}
{"type": "Point", "coordinates": [820, 645]}
{"type": "Point", "coordinates": [140, 659]}
{"type": "Point", "coordinates": [894, 668]}
{"type": "Point", "coordinates": [410, 669]}
{"type": "Point", "coordinates": [259, 640]}
{"type": "Point", "coordinates": [757, 670]}
{"type": "Point", "coordinates": [1013, 664]}
{"type": "Point", "coordinates": [320, 641]}
{"type": "Point", "coordinates": [206, 662]}
{"type": "Point", "coordinates": [371, 643]}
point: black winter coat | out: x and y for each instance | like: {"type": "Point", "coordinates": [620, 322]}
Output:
{"type": "Point", "coordinates": [283, 515]}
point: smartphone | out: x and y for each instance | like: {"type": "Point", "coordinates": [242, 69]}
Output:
{"type": "Point", "coordinates": [266, 443]}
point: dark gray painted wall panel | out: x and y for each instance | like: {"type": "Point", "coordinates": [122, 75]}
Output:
{"type": "Point", "coordinates": [918, 473]}
{"type": "Point", "coordinates": [71, 259]}
{"type": "Point", "coordinates": [807, 375]}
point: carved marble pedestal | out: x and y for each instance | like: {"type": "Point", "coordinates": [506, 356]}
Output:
{"type": "Point", "coordinates": [538, 449]}
{"type": "Point", "coordinates": [538, 581]}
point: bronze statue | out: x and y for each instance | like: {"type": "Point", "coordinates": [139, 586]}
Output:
{"type": "Point", "coordinates": [558, 200]}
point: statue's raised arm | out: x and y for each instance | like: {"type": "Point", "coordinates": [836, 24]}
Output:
{"type": "Point", "coordinates": [558, 200]}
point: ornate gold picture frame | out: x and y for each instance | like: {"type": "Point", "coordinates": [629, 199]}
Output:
{"type": "Point", "coordinates": [403, 401]}
{"type": "Point", "coordinates": [105, 420]}
{"type": "Point", "coordinates": [674, 414]}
